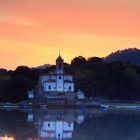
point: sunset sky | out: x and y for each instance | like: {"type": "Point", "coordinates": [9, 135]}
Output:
{"type": "Point", "coordinates": [33, 31]}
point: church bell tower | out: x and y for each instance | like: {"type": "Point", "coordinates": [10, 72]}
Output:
{"type": "Point", "coordinates": [59, 65]}
{"type": "Point", "coordinates": [59, 74]}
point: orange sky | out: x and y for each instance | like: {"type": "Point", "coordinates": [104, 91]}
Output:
{"type": "Point", "coordinates": [33, 31]}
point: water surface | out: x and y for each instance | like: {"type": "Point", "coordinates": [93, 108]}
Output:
{"type": "Point", "coordinates": [69, 124]}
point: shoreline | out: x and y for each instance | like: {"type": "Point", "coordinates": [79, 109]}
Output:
{"type": "Point", "coordinates": [120, 106]}
{"type": "Point", "coordinates": [105, 106]}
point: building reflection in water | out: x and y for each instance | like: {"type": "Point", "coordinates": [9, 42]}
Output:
{"type": "Point", "coordinates": [55, 124]}
{"type": "Point", "coordinates": [57, 129]}
{"type": "Point", "coordinates": [42, 124]}
{"type": "Point", "coordinates": [68, 124]}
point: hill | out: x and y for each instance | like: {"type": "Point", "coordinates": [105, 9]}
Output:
{"type": "Point", "coordinates": [131, 55]}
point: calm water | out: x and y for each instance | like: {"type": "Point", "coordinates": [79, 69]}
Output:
{"type": "Point", "coordinates": [68, 124]}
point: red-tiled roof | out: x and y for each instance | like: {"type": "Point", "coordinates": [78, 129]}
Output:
{"type": "Point", "coordinates": [51, 80]}
{"type": "Point", "coordinates": [67, 81]}
{"type": "Point", "coordinates": [49, 131]}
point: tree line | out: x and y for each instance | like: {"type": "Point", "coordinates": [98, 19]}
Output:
{"type": "Point", "coordinates": [116, 80]}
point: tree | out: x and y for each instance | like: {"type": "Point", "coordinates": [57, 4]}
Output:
{"type": "Point", "coordinates": [77, 61]}
{"type": "Point", "coordinates": [95, 60]}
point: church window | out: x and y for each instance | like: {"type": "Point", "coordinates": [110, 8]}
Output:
{"type": "Point", "coordinates": [69, 87]}
{"type": "Point", "coordinates": [48, 125]}
{"type": "Point", "coordinates": [60, 77]}
{"type": "Point", "coordinates": [49, 87]}
{"type": "Point", "coordinates": [60, 65]}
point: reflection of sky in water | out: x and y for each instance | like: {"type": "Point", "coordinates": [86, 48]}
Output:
{"type": "Point", "coordinates": [6, 138]}
{"type": "Point", "coordinates": [69, 124]}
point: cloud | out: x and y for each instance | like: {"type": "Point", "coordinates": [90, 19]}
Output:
{"type": "Point", "coordinates": [8, 19]}
{"type": "Point", "coordinates": [101, 17]}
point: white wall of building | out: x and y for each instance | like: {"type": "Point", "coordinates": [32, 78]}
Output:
{"type": "Point", "coordinates": [45, 78]}
{"type": "Point", "coordinates": [68, 77]}
{"type": "Point", "coordinates": [60, 83]}
{"type": "Point", "coordinates": [49, 86]}
{"type": "Point", "coordinates": [59, 72]}
{"type": "Point", "coordinates": [80, 95]}
{"type": "Point", "coordinates": [67, 87]}
{"type": "Point", "coordinates": [53, 77]}
{"type": "Point", "coordinates": [68, 126]}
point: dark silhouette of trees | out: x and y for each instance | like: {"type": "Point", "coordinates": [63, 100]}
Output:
{"type": "Point", "coordinates": [94, 60]}
{"type": "Point", "coordinates": [14, 88]}
{"type": "Point", "coordinates": [77, 61]}
{"type": "Point", "coordinates": [115, 80]}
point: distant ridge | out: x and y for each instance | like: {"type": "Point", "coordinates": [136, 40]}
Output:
{"type": "Point", "coordinates": [131, 55]}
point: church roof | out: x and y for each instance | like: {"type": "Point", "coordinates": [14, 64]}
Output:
{"type": "Point", "coordinates": [67, 81]}
{"type": "Point", "coordinates": [59, 58]}
{"type": "Point", "coordinates": [68, 131]}
{"type": "Point", "coordinates": [49, 131]}
{"type": "Point", "coordinates": [51, 80]}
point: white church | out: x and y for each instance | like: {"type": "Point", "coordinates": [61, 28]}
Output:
{"type": "Point", "coordinates": [57, 81]}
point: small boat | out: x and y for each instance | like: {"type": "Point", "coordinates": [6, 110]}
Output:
{"type": "Point", "coordinates": [104, 106]}
{"type": "Point", "coordinates": [43, 106]}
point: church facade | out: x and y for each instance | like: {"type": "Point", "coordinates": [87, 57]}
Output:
{"type": "Point", "coordinates": [57, 81]}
